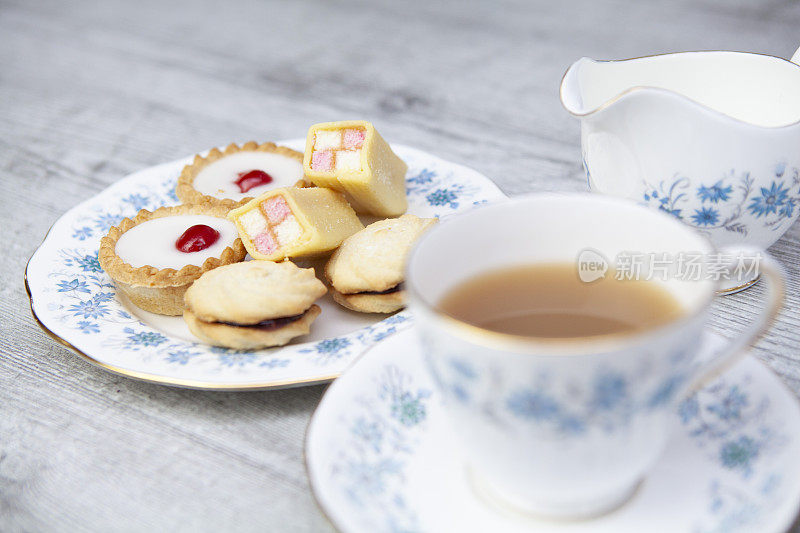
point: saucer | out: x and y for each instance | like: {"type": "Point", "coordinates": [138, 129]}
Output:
{"type": "Point", "coordinates": [381, 457]}
{"type": "Point", "coordinates": [78, 305]}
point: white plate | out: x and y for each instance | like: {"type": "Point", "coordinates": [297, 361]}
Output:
{"type": "Point", "coordinates": [381, 457]}
{"type": "Point", "coordinates": [74, 300]}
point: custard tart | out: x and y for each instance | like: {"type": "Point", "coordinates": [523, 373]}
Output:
{"type": "Point", "coordinates": [155, 256]}
{"type": "Point", "coordinates": [237, 174]}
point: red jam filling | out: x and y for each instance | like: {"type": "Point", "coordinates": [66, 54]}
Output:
{"type": "Point", "coordinates": [254, 178]}
{"type": "Point", "coordinates": [390, 290]}
{"type": "Point", "coordinates": [198, 237]}
{"type": "Point", "coordinates": [269, 324]}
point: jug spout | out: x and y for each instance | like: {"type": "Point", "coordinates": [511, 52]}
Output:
{"type": "Point", "coordinates": [796, 57]}
{"type": "Point", "coordinates": [589, 85]}
{"type": "Point", "coordinates": [572, 97]}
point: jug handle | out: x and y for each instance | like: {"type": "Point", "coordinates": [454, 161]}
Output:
{"type": "Point", "coordinates": [796, 57]}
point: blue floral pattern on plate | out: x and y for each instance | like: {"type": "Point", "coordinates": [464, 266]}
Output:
{"type": "Point", "coordinates": [730, 423]}
{"type": "Point", "coordinates": [74, 298]}
{"type": "Point", "coordinates": [728, 468]}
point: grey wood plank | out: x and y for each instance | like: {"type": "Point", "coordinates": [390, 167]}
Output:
{"type": "Point", "coordinates": [91, 91]}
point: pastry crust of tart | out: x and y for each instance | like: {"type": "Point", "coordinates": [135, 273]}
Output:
{"type": "Point", "coordinates": [161, 290]}
{"type": "Point", "coordinates": [188, 194]}
{"type": "Point", "coordinates": [248, 337]}
{"type": "Point", "coordinates": [371, 303]}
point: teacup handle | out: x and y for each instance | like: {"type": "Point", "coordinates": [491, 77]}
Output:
{"type": "Point", "coordinates": [770, 269]}
{"type": "Point", "coordinates": [796, 57]}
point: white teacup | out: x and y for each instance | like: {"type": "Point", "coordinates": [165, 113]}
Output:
{"type": "Point", "coordinates": [565, 427]}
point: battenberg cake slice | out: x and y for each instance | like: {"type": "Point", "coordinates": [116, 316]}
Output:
{"type": "Point", "coordinates": [351, 157]}
{"type": "Point", "coordinates": [294, 222]}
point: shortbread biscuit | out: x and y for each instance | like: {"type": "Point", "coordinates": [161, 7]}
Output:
{"type": "Point", "coordinates": [253, 304]}
{"type": "Point", "coordinates": [250, 337]}
{"type": "Point", "coordinates": [365, 302]}
{"type": "Point", "coordinates": [253, 291]}
{"type": "Point", "coordinates": [367, 269]}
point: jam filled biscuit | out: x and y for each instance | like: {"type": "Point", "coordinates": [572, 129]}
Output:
{"type": "Point", "coordinates": [255, 304]}
{"type": "Point", "coordinates": [154, 257]}
{"type": "Point", "coordinates": [238, 174]}
{"type": "Point", "coordinates": [294, 222]}
{"type": "Point", "coordinates": [353, 158]}
{"type": "Point", "coordinates": [366, 272]}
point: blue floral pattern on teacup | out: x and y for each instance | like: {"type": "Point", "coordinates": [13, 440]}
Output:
{"type": "Point", "coordinates": [609, 401]}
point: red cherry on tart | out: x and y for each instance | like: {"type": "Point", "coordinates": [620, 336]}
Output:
{"type": "Point", "coordinates": [197, 238]}
{"type": "Point", "coordinates": [254, 178]}
{"type": "Point", "coordinates": [237, 174]}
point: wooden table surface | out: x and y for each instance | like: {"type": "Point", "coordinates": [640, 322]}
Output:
{"type": "Point", "coordinates": [91, 91]}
